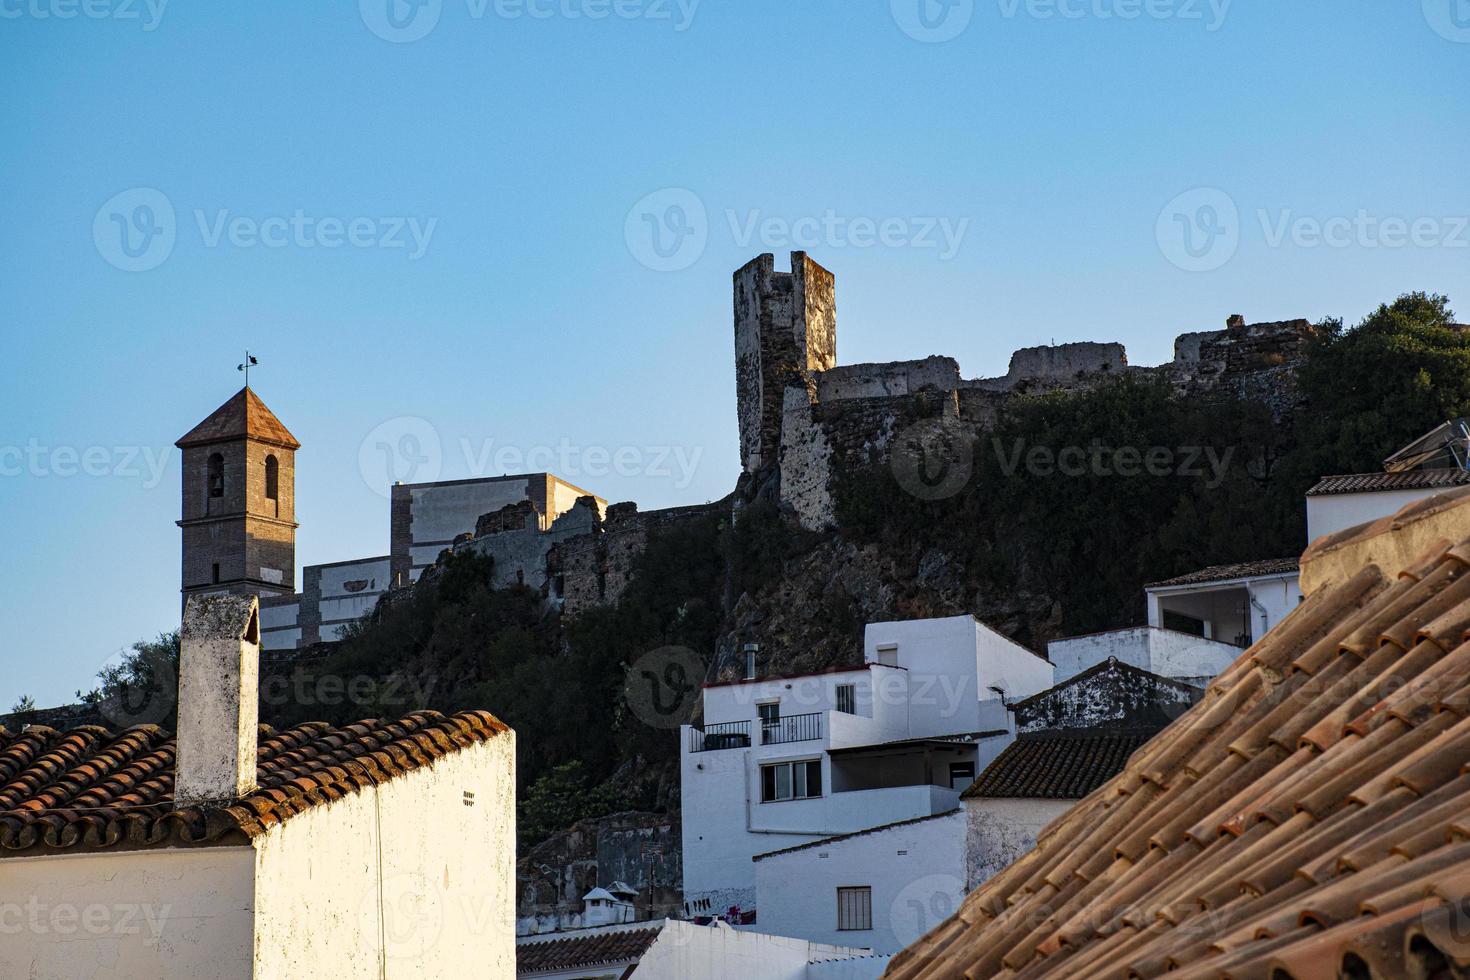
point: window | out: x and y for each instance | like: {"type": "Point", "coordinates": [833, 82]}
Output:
{"type": "Point", "coordinates": [854, 909]}
{"type": "Point", "coordinates": [770, 713]}
{"type": "Point", "coordinates": [888, 655]}
{"type": "Point", "coordinates": [791, 781]}
{"type": "Point", "coordinates": [272, 479]}
{"type": "Point", "coordinates": [961, 775]}
{"type": "Point", "coordinates": [847, 698]}
{"type": "Point", "coordinates": [216, 475]}
{"type": "Point", "coordinates": [216, 573]}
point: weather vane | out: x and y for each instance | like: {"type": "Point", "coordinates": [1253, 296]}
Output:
{"type": "Point", "coordinates": [245, 366]}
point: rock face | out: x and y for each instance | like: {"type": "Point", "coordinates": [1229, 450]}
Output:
{"type": "Point", "coordinates": [643, 850]}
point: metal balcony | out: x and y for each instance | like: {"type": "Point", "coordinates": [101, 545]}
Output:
{"type": "Point", "coordinates": [796, 728]}
{"type": "Point", "coordinates": [711, 738]}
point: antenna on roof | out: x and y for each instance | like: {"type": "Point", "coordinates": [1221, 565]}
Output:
{"type": "Point", "coordinates": [245, 366]}
{"type": "Point", "coordinates": [1450, 438]}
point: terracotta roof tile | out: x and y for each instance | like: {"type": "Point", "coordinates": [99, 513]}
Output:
{"type": "Point", "coordinates": [1222, 573]}
{"type": "Point", "coordinates": [244, 415]}
{"type": "Point", "coordinates": [88, 788]}
{"type": "Point", "coordinates": [1426, 479]}
{"type": "Point", "coordinates": [1307, 819]}
{"type": "Point", "coordinates": [571, 952]}
{"type": "Point", "coordinates": [1056, 765]}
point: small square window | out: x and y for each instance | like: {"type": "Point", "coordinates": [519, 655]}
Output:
{"type": "Point", "coordinates": [854, 909]}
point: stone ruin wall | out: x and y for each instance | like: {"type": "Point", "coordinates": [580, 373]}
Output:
{"type": "Point", "coordinates": [854, 410]}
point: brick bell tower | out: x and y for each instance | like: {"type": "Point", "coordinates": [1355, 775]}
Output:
{"type": "Point", "coordinates": [239, 502]}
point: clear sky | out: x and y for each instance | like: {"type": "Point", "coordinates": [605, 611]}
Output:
{"type": "Point", "coordinates": [433, 222]}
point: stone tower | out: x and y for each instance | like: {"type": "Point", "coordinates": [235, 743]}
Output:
{"type": "Point", "coordinates": [785, 329]}
{"type": "Point", "coordinates": [239, 502]}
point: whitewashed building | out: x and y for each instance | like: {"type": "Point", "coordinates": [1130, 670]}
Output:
{"type": "Point", "coordinates": [669, 949]}
{"type": "Point", "coordinates": [883, 887]}
{"type": "Point", "coordinates": [235, 852]}
{"type": "Point", "coordinates": [782, 761]}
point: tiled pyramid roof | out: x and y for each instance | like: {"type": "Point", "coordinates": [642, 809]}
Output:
{"type": "Point", "coordinates": [1309, 819]}
{"type": "Point", "coordinates": [88, 789]}
{"type": "Point", "coordinates": [243, 416]}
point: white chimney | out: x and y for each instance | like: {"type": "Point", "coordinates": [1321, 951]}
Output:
{"type": "Point", "coordinates": [219, 691]}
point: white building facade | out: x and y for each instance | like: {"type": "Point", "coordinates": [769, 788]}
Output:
{"type": "Point", "coordinates": [782, 761]}
{"type": "Point", "coordinates": [881, 888]}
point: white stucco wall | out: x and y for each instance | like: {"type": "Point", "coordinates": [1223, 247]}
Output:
{"type": "Point", "coordinates": [684, 951]}
{"type": "Point", "coordinates": [916, 872]}
{"type": "Point", "coordinates": [405, 880]}
{"type": "Point", "coordinates": [1329, 513]}
{"type": "Point", "coordinates": [857, 968]}
{"type": "Point", "coordinates": [183, 912]}
{"type": "Point", "coordinates": [953, 664]}
{"type": "Point", "coordinates": [998, 832]}
{"type": "Point", "coordinates": [1164, 652]}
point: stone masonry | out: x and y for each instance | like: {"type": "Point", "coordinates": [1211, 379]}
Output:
{"type": "Point", "coordinates": [798, 410]}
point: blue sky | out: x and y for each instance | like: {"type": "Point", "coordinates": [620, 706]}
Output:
{"type": "Point", "coordinates": [1033, 178]}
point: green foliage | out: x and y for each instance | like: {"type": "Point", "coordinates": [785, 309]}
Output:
{"type": "Point", "coordinates": [1093, 540]}
{"type": "Point", "coordinates": [1372, 390]}
{"type": "Point", "coordinates": [560, 796]}
{"type": "Point", "coordinates": [143, 684]}
{"type": "Point", "coordinates": [24, 707]}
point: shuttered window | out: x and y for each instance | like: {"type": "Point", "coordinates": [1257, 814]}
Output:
{"type": "Point", "coordinates": [854, 909]}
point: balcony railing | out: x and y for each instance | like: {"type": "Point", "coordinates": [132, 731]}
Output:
{"type": "Point", "coordinates": [796, 728]}
{"type": "Point", "coordinates": [729, 735]}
